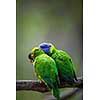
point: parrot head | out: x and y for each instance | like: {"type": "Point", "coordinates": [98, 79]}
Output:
{"type": "Point", "coordinates": [34, 52]}
{"type": "Point", "coordinates": [48, 48]}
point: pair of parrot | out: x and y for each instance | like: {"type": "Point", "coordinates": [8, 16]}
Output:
{"type": "Point", "coordinates": [52, 66]}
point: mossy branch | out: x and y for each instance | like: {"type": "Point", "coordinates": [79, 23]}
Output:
{"type": "Point", "coordinates": [35, 85]}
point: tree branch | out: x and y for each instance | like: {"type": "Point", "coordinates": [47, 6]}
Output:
{"type": "Point", "coordinates": [70, 93]}
{"type": "Point", "coordinates": [65, 95]}
{"type": "Point", "coordinates": [41, 87]}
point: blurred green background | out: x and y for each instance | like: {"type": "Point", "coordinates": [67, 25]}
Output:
{"type": "Point", "coordinates": [57, 21]}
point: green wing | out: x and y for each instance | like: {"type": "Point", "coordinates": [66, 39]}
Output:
{"type": "Point", "coordinates": [47, 72]}
{"type": "Point", "coordinates": [65, 66]}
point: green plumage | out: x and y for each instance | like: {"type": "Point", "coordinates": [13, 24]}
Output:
{"type": "Point", "coordinates": [64, 64]}
{"type": "Point", "coordinates": [46, 71]}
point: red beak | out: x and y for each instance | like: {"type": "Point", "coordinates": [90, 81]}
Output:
{"type": "Point", "coordinates": [31, 61]}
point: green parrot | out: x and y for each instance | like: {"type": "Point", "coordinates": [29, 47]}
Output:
{"type": "Point", "coordinates": [63, 61]}
{"type": "Point", "coordinates": [45, 70]}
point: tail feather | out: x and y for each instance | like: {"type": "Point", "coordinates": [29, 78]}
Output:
{"type": "Point", "coordinates": [56, 93]}
{"type": "Point", "coordinates": [75, 77]}
{"type": "Point", "coordinates": [68, 78]}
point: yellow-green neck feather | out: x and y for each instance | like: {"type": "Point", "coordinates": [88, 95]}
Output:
{"type": "Point", "coordinates": [36, 52]}
{"type": "Point", "coordinates": [52, 49]}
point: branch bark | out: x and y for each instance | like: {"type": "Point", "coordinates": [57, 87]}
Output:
{"type": "Point", "coordinates": [70, 93]}
{"type": "Point", "coordinates": [65, 95]}
{"type": "Point", "coordinates": [35, 85]}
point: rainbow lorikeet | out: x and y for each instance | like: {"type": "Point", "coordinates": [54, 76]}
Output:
{"type": "Point", "coordinates": [45, 69]}
{"type": "Point", "coordinates": [63, 61]}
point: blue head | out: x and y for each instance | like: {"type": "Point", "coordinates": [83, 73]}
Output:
{"type": "Point", "coordinates": [48, 48]}
{"type": "Point", "coordinates": [45, 47]}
